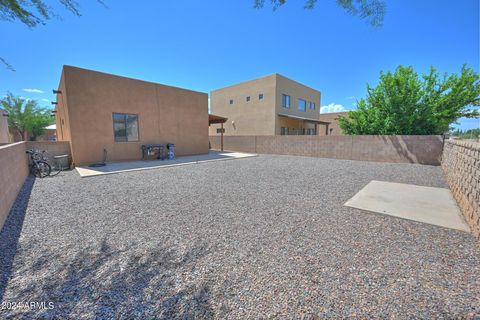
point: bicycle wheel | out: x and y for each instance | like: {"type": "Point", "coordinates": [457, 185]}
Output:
{"type": "Point", "coordinates": [41, 169]}
{"type": "Point", "coordinates": [55, 171]}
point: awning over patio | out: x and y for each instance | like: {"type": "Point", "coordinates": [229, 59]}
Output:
{"type": "Point", "coordinates": [302, 118]}
{"type": "Point", "coordinates": [216, 119]}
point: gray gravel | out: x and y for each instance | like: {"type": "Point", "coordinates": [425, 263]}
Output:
{"type": "Point", "coordinates": [263, 237]}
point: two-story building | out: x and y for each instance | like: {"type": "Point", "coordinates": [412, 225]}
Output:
{"type": "Point", "coordinates": [271, 105]}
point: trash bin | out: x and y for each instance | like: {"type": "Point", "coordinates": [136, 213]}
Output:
{"type": "Point", "coordinates": [60, 162]}
{"type": "Point", "coordinates": [171, 151]}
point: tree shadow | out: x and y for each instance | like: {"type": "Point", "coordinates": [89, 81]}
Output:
{"type": "Point", "coordinates": [417, 149]}
{"type": "Point", "coordinates": [11, 231]}
{"type": "Point", "coordinates": [105, 282]}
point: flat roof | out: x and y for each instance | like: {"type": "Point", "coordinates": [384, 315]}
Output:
{"type": "Point", "coordinates": [66, 67]}
{"type": "Point", "coordinates": [263, 77]}
{"type": "Point", "coordinates": [302, 118]}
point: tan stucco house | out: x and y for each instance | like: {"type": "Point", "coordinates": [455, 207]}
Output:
{"type": "Point", "coordinates": [97, 111]}
{"type": "Point", "coordinates": [333, 129]}
{"type": "Point", "coordinates": [271, 105]}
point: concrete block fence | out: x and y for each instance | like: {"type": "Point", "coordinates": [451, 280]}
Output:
{"type": "Point", "coordinates": [14, 169]}
{"type": "Point", "coordinates": [13, 172]}
{"type": "Point", "coordinates": [396, 149]}
{"type": "Point", "coordinates": [461, 164]}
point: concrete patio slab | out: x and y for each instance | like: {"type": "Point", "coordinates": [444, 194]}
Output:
{"type": "Point", "coordinates": [119, 167]}
{"type": "Point", "coordinates": [424, 204]}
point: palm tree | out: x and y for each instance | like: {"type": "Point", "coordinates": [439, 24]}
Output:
{"type": "Point", "coordinates": [26, 116]}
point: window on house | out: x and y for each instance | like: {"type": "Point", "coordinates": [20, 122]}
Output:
{"type": "Point", "coordinates": [313, 106]}
{"type": "Point", "coordinates": [219, 130]}
{"type": "Point", "coordinates": [231, 101]}
{"type": "Point", "coordinates": [260, 96]}
{"type": "Point", "coordinates": [302, 105]}
{"type": "Point", "coordinates": [248, 98]}
{"type": "Point", "coordinates": [125, 127]}
{"type": "Point", "coordinates": [310, 131]}
{"type": "Point", "coordinates": [286, 101]}
{"type": "Point", "coordinates": [284, 131]}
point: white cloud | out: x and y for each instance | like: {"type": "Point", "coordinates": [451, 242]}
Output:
{"type": "Point", "coordinates": [45, 100]}
{"type": "Point", "coordinates": [33, 90]}
{"type": "Point", "coordinates": [25, 98]}
{"type": "Point", "coordinates": [332, 107]}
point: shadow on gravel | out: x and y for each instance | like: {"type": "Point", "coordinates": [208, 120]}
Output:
{"type": "Point", "coordinates": [11, 231]}
{"type": "Point", "coordinates": [108, 283]}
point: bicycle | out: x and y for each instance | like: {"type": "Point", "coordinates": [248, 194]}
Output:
{"type": "Point", "coordinates": [55, 165]}
{"type": "Point", "coordinates": [39, 167]}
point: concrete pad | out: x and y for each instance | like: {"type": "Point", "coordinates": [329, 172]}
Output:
{"type": "Point", "coordinates": [424, 204]}
{"type": "Point", "coordinates": [119, 167]}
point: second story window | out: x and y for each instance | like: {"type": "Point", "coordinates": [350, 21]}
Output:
{"type": "Point", "coordinates": [260, 96]}
{"type": "Point", "coordinates": [286, 101]}
{"type": "Point", "coordinates": [231, 101]}
{"type": "Point", "coordinates": [312, 105]}
{"type": "Point", "coordinates": [302, 105]}
{"type": "Point", "coordinates": [248, 98]}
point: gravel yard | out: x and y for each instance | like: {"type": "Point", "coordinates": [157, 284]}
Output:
{"type": "Point", "coordinates": [252, 238]}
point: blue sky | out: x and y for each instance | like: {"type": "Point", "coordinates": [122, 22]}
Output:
{"type": "Point", "coordinates": [204, 45]}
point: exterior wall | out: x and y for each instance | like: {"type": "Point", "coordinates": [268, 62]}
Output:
{"type": "Point", "coordinates": [333, 127]}
{"type": "Point", "coordinates": [295, 90]}
{"type": "Point", "coordinates": [259, 117]}
{"type": "Point", "coordinates": [17, 137]}
{"type": "Point", "coordinates": [62, 118]}
{"type": "Point", "coordinates": [255, 117]}
{"type": "Point", "coordinates": [461, 164]}
{"type": "Point", "coordinates": [395, 149]}
{"type": "Point", "coordinates": [13, 172]}
{"type": "Point", "coordinates": [49, 135]}
{"type": "Point", "coordinates": [4, 133]}
{"type": "Point", "coordinates": [165, 115]}
{"type": "Point", "coordinates": [53, 148]}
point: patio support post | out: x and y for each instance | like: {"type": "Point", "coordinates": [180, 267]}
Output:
{"type": "Point", "coordinates": [221, 139]}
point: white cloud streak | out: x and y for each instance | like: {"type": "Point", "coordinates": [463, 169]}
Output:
{"type": "Point", "coordinates": [33, 90]}
{"type": "Point", "coordinates": [332, 107]}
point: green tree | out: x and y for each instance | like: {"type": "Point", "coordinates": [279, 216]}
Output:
{"type": "Point", "coordinates": [404, 103]}
{"type": "Point", "coordinates": [26, 116]}
{"type": "Point", "coordinates": [371, 10]}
